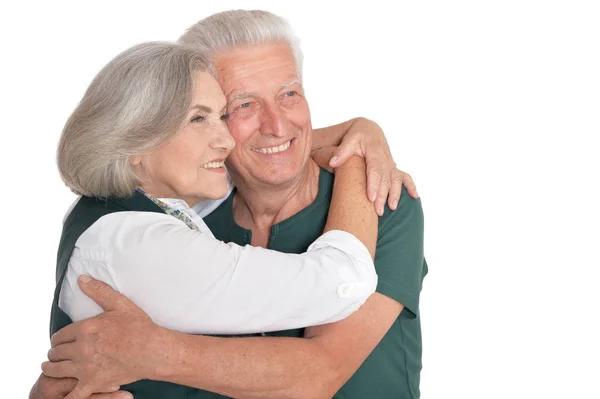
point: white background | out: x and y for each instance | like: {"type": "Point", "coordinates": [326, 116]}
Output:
{"type": "Point", "coordinates": [493, 107]}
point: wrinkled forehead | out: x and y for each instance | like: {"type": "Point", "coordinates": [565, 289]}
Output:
{"type": "Point", "coordinates": [255, 68]}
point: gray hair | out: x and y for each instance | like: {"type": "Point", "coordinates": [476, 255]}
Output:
{"type": "Point", "coordinates": [136, 103]}
{"type": "Point", "coordinates": [238, 28]}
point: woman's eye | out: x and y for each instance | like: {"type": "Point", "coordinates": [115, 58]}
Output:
{"type": "Point", "coordinates": [199, 118]}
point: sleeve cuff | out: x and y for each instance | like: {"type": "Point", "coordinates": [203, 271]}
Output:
{"type": "Point", "coordinates": [345, 242]}
{"type": "Point", "coordinates": [401, 295]}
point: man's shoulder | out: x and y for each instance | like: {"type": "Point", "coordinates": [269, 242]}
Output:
{"type": "Point", "coordinates": [408, 215]}
{"type": "Point", "coordinates": [399, 257]}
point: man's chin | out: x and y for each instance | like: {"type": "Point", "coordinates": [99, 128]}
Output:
{"type": "Point", "coordinates": [280, 177]}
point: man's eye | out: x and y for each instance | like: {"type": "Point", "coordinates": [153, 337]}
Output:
{"type": "Point", "coordinates": [245, 105]}
{"type": "Point", "coordinates": [199, 118]}
{"type": "Point", "coordinates": [224, 117]}
{"type": "Point", "coordinates": [290, 94]}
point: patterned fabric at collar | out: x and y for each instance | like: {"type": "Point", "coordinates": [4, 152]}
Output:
{"type": "Point", "coordinates": [171, 211]}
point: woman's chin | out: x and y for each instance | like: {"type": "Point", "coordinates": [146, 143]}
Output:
{"type": "Point", "coordinates": [217, 194]}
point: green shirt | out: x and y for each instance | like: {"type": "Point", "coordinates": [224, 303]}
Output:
{"type": "Point", "coordinates": [392, 370]}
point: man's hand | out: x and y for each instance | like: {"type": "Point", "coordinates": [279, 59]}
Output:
{"type": "Point", "coordinates": [109, 350]}
{"type": "Point", "coordinates": [59, 388]}
{"type": "Point", "coordinates": [365, 138]}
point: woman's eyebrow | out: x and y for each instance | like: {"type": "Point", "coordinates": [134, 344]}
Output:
{"type": "Point", "coordinates": [201, 108]}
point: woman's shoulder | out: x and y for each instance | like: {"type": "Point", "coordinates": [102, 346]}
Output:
{"type": "Point", "coordinates": [128, 229]}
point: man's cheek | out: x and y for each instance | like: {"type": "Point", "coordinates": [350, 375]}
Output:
{"type": "Point", "coordinates": [242, 128]}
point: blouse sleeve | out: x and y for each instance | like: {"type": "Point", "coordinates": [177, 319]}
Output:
{"type": "Point", "coordinates": [188, 281]}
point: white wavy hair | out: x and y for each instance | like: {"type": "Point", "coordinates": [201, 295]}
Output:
{"type": "Point", "coordinates": [238, 28]}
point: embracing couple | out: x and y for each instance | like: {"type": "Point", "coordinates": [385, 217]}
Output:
{"type": "Point", "coordinates": [221, 247]}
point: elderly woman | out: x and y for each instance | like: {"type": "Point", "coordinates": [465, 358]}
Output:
{"type": "Point", "coordinates": [147, 142]}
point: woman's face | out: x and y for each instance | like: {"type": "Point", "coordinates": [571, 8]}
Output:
{"type": "Point", "coordinates": [191, 165]}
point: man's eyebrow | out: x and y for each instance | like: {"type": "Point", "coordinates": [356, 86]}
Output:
{"type": "Point", "coordinates": [288, 84]}
{"type": "Point", "coordinates": [239, 96]}
{"type": "Point", "coordinates": [252, 94]}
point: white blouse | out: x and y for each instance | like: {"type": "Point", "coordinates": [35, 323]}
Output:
{"type": "Point", "coordinates": [186, 280]}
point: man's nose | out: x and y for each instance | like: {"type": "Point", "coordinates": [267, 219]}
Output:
{"type": "Point", "coordinates": [274, 122]}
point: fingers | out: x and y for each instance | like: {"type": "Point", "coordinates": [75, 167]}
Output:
{"type": "Point", "coordinates": [84, 391]}
{"type": "Point", "coordinates": [382, 194]}
{"type": "Point", "coordinates": [79, 393]}
{"type": "Point", "coordinates": [322, 157]}
{"type": "Point", "coordinates": [101, 293]}
{"type": "Point", "coordinates": [63, 369]}
{"type": "Point", "coordinates": [47, 387]}
{"type": "Point", "coordinates": [410, 185]}
{"type": "Point", "coordinates": [61, 352]}
{"type": "Point", "coordinates": [373, 181]}
{"type": "Point", "coordinates": [395, 189]}
{"type": "Point", "coordinates": [113, 395]}
{"type": "Point", "coordinates": [341, 155]}
{"type": "Point", "coordinates": [65, 335]}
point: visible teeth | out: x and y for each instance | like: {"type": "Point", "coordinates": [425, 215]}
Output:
{"type": "Point", "coordinates": [273, 150]}
{"type": "Point", "coordinates": [214, 165]}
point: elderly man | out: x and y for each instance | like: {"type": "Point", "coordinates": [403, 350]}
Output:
{"type": "Point", "coordinates": [281, 202]}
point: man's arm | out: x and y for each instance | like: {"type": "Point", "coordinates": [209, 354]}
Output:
{"type": "Point", "coordinates": [334, 134]}
{"type": "Point", "coordinates": [130, 347]}
{"type": "Point", "coordinates": [275, 367]}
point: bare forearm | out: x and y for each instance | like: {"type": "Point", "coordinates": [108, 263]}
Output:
{"type": "Point", "coordinates": [350, 209]}
{"type": "Point", "coordinates": [274, 367]}
{"type": "Point", "coordinates": [332, 135]}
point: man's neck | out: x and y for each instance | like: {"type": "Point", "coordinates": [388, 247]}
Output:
{"type": "Point", "coordinates": [259, 207]}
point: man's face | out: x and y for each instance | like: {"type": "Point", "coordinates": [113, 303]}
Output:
{"type": "Point", "coordinates": [269, 116]}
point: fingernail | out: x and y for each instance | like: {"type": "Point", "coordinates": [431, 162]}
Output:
{"type": "Point", "coordinates": [394, 204]}
{"type": "Point", "coordinates": [333, 161]}
{"type": "Point", "coordinates": [113, 388]}
{"type": "Point", "coordinates": [84, 278]}
{"type": "Point", "coordinates": [372, 196]}
{"type": "Point", "coordinates": [125, 395]}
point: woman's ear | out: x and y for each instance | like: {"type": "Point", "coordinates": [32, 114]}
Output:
{"type": "Point", "coordinates": [135, 161]}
